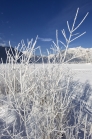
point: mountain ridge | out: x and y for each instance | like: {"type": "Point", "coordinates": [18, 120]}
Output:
{"type": "Point", "coordinates": [73, 55]}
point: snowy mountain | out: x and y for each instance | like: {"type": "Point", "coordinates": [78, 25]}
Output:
{"type": "Point", "coordinates": [79, 55]}
{"type": "Point", "coordinates": [73, 55]}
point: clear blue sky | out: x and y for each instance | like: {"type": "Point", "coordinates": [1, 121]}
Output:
{"type": "Point", "coordinates": [25, 19]}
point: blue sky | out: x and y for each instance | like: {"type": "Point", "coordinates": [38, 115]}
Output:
{"type": "Point", "coordinates": [25, 19]}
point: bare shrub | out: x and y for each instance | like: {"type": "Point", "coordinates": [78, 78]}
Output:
{"type": "Point", "coordinates": [43, 103]}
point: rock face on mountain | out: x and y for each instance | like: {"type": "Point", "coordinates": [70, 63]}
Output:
{"type": "Point", "coordinates": [3, 54]}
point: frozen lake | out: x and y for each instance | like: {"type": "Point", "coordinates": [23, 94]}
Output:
{"type": "Point", "coordinates": [81, 72]}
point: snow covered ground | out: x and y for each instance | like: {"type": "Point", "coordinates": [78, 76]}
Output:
{"type": "Point", "coordinates": [80, 72]}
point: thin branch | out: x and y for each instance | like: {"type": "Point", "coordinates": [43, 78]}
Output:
{"type": "Point", "coordinates": [81, 22]}
{"type": "Point", "coordinates": [68, 26]}
{"type": "Point", "coordinates": [75, 19]}
{"type": "Point", "coordinates": [77, 36]}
